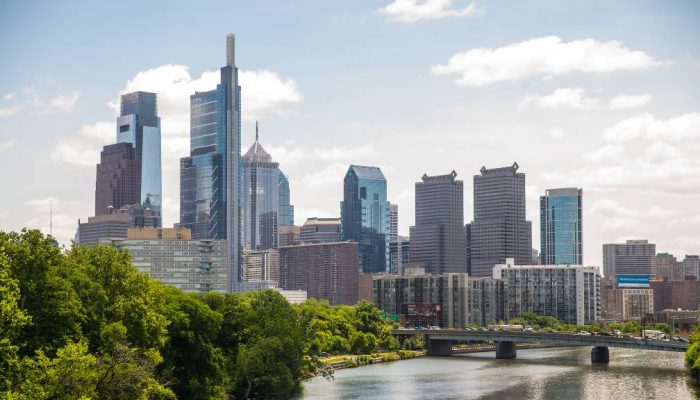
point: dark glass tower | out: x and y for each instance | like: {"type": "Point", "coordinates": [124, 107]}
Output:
{"type": "Point", "coordinates": [139, 125]}
{"type": "Point", "coordinates": [437, 239]}
{"type": "Point", "coordinates": [364, 215]}
{"type": "Point", "coordinates": [286, 215]}
{"type": "Point", "coordinates": [499, 229]}
{"type": "Point", "coordinates": [561, 226]}
{"type": "Point", "coordinates": [260, 198]}
{"type": "Point", "coordinates": [118, 181]}
{"type": "Point", "coordinates": [211, 177]}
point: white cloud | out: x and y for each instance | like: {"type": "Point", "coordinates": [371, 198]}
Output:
{"type": "Point", "coordinates": [7, 145]}
{"type": "Point", "coordinates": [608, 152]}
{"type": "Point", "coordinates": [561, 98]}
{"type": "Point", "coordinates": [265, 93]}
{"type": "Point", "coordinates": [9, 111]}
{"type": "Point", "coordinates": [330, 175]}
{"type": "Point", "coordinates": [8, 96]}
{"type": "Point", "coordinates": [646, 126]}
{"type": "Point", "coordinates": [412, 11]}
{"type": "Point", "coordinates": [83, 148]}
{"type": "Point", "coordinates": [542, 57]}
{"type": "Point", "coordinates": [62, 103]}
{"type": "Point", "coordinates": [618, 217]}
{"type": "Point", "coordinates": [344, 153]}
{"type": "Point", "coordinates": [556, 133]}
{"type": "Point", "coordinates": [622, 101]}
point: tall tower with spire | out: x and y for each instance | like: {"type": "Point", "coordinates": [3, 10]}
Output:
{"type": "Point", "coordinates": [211, 177]}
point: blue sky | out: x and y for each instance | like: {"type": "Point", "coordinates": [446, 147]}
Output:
{"type": "Point", "coordinates": [590, 94]}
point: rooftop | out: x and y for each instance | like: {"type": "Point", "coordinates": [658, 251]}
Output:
{"type": "Point", "coordinates": [367, 172]}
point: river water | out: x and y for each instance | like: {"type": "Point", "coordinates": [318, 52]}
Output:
{"type": "Point", "coordinates": [554, 373]}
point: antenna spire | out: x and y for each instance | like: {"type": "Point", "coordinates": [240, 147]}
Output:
{"type": "Point", "coordinates": [256, 131]}
{"type": "Point", "coordinates": [51, 217]}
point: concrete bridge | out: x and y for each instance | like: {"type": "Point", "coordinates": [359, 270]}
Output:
{"type": "Point", "coordinates": [439, 342]}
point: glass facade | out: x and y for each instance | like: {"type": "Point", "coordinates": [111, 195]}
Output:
{"type": "Point", "coordinates": [561, 226]}
{"type": "Point", "coordinates": [260, 199]}
{"type": "Point", "coordinates": [365, 216]}
{"type": "Point", "coordinates": [139, 125]}
{"type": "Point", "coordinates": [286, 209]}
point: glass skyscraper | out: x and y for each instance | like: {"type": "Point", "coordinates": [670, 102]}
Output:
{"type": "Point", "coordinates": [211, 177]}
{"type": "Point", "coordinates": [260, 198]}
{"type": "Point", "coordinates": [286, 209]}
{"type": "Point", "coordinates": [561, 233]}
{"type": "Point", "coordinates": [138, 123]}
{"type": "Point", "coordinates": [365, 216]}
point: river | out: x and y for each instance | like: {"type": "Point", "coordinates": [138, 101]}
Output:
{"type": "Point", "coordinates": [553, 373]}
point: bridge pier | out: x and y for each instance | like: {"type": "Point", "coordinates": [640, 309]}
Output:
{"type": "Point", "coordinates": [505, 350]}
{"type": "Point", "coordinates": [439, 348]}
{"type": "Point", "coordinates": [600, 355]}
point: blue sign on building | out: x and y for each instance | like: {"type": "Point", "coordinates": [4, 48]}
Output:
{"type": "Point", "coordinates": [633, 281]}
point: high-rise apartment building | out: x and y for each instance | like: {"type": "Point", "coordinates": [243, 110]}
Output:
{"type": "Point", "coordinates": [116, 224]}
{"type": "Point", "coordinates": [438, 238]}
{"type": "Point", "coordinates": [289, 235]}
{"type": "Point", "coordinates": [561, 232]}
{"type": "Point", "coordinates": [261, 265]}
{"type": "Point", "coordinates": [667, 266]}
{"type": "Point", "coordinates": [393, 222]}
{"type": "Point", "coordinates": [327, 271]}
{"type": "Point", "coordinates": [320, 230]}
{"type": "Point", "coordinates": [399, 255]}
{"type": "Point", "coordinates": [486, 304]}
{"type": "Point", "coordinates": [138, 124]}
{"type": "Point", "coordinates": [691, 266]}
{"type": "Point", "coordinates": [118, 180]}
{"type": "Point", "coordinates": [636, 257]}
{"type": "Point", "coordinates": [286, 209]}
{"type": "Point", "coordinates": [171, 256]}
{"type": "Point", "coordinates": [211, 177]}
{"type": "Point", "coordinates": [260, 198]}
{"type": "Point", "coordinates": [500, 229]}
{"type": "Point", "coordinates": [364, 215]}
{"type": "Point", "coordinates": [570, 293]}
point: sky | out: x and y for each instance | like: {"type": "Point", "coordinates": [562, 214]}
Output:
{"type": "Point", "coordinates": [593, 94]}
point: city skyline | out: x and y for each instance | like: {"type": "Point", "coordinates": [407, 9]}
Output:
{"type": "Point", "coordinates": [633, 125]}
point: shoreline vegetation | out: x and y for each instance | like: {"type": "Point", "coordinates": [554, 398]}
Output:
{"type": "Point", "coordinates": [692, 356]}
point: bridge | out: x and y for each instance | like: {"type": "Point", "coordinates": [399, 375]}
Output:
{"type": "Point", "coordinates": [439, 342]}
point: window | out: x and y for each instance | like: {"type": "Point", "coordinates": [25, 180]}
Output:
{"type": "Point", "coordinates": [363, 192]}
{"type": "Point", "coordinates": [124, 128]}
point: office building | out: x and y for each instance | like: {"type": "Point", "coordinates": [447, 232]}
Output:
{"type": "Point", "coordinates": [320, 230]}
{"type": "Point", "coordinates": [423, 299]}
{"type": "Point", "coordinates": [364, 288]}
{"type": "Point", "coordinates": [393, 222]}
{"type": "Point", "coordinates": [261, 265]}
{"type": "Point", "coordinates": [486, 301]}
{"type": "Point", "coordinates": [667, 266]}
{"type": "Point", "coordinates": [675, 294]}
{"type": "Point", "coordinates": [499, 229]}
{"type": "Point", "coordinates": [691, 266]}
{"type": "Point", "coordinates": [139, 125]}
{"type": "Point", "coordinates": [570, 293]}
{"type": "Point", "coordinates": [118, 180]}
{"type": "Point", "coordinates": [399, 255]}
{"type": "Point", "coordinates": [289, 235]}
{"type": "Point", "coordinates": [211, 177]}
{"type": "Point", "coordinates": [116, 224]}
{"type": "Point", "coordinates": [171, 256]}
{"type": "Point", "coordinates": [365, 216]}
{"type": "Point", "coordinates": [561, 231]}
{"type": "Point", "coordinates": [437, 239]}
{"type": "Point", "coordinates": [327, 271]}
{"type": "Point", "coordinates": [636, 257]}
{"type": "Point", "coordinates": [260, 198]}
{"type": "Point", "coordinates": [286, 209]}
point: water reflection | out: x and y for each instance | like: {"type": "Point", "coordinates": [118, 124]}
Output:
{"type": "Point", "coordinates": [562, 373]}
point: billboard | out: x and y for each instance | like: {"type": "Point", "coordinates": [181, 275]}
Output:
{"type": "Point", "coordinates": [633, 281]}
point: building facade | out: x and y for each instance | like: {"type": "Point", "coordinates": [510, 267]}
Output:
{"type": "Point", "coordinates": [327, 271]}
{"type": "Point", "coordinates": [499, 229]}
{"type": "Point", "coordinates": [289, 235]}
{"type": "Point", "coordinates": [667, 266]}
{"type": "Point", "coordinates": [172, 257]}
{"type": "Point", "coordinates": [393, 222]}
{"type": "Point", "coordinates": [118, 179]}
{"type": "Point", "coordinates": [364, 215]}
{"type": "Point", "coordinates": [116, 224]}
{"type": "Point", "coordinates": [691, 266]}
{"type": "Point", "coordinates": [211, 177]}
{"type": "Point", "coordinates": [486, 301]}
{"type": "Point", "coordinates": [139, 125]}
{"type": "Point", "coordinates": [286, 209]}
{"type": "Point", "coordinates": [636, 257]}
{"type": "Point", "coordinates": [674, 295]}
{"type": "Point", "coordinates": [437, 239]}
{"type": "Point", "coordinates": [423, 299]}
{"type": "Point", "coordinates": [320, 230]}
{"type": "Point", "coordinates": [260, 199]}
{"type": "Point", "coordinates": [399, 255]}
{"type": "Point", "coordinates": [570, 293]}
{"type": "Point", "coordinates": [561, 227]}
{"type": "Point", "coordinates": [261, 265]}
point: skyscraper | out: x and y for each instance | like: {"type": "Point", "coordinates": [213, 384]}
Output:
{"type": "Point", "coordinates": [499, 229]}
{"type": "Point", "coordinates": [393, 222]}
{"type": "Point", "coordinates": [118, 178]}
{"type": "Point", "coordinates": [634, 257]}
{"type": "Point", "coordinates": [364, 214]}
{"type": "Point", "coordinates": [211, 177]}
{"type": "Point", "coordinates": [320, 230]}
{"type": "Point", "coordinates": [437, 239]}
{"type": "Point", "coordinates": [561, 233]}
{"type": "Point", "coordinates": [260, 198]}
{"type": "Point", "coordinates": [286, 209]}
{"type": "Point", "coordinates": [138, 124]}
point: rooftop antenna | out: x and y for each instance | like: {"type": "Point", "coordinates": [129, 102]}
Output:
{"type": "Point", "coordinates": [256, 131]}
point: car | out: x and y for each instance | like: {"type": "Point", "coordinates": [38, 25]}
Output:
{"type": "Point", "coordinates": [617, 332]}
{"type": "Point", "coordinates": [584, 333]}
{"type": "Point", "coordinates": [433, 327]}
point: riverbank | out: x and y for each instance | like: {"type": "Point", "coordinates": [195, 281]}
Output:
{"type": "Point", "coordinates": [353, 361]}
